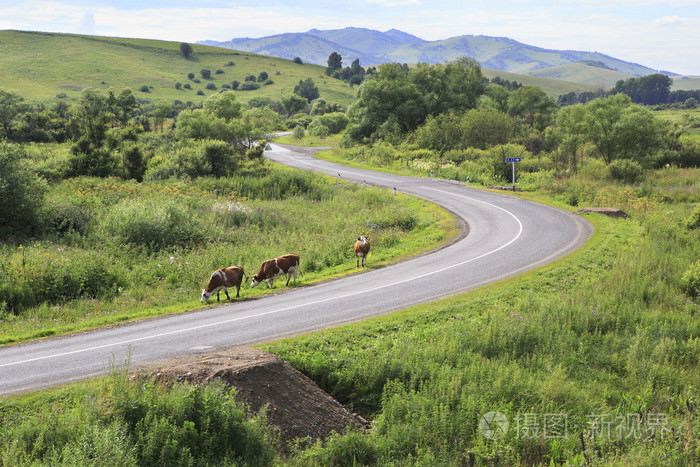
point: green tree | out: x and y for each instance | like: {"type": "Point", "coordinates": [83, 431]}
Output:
{"type": "Point", "coordinates": [293, 103]}
{"type": "Point", "coordinates": [223, 105]}
{"type": "Point", "coordinates": [186, 50]}
{"type": "Point", "coordinates": [21, 193]}
{"type": "Point", "coordinates": [206, 74]}
{"type": "Point", "coordinates": [453, 86]}
{"type": "Point", "coordinates": [307, 89]}
{"type": "Point", "coordinates": [262, 77]}
{"type": "Point", "coordinates": [571, 133]}
{"type": "Point", "coordinates": [335, 63]}
{"type": "Point", "coordinates": [9, 108]}
{"type": "Point", "coordinates": [388, 103]}
{"type": "Point", "coordinates": [533, 106]}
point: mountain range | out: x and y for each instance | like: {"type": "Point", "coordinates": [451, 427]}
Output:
{"type": "Point", "coordinates": [373, 47]}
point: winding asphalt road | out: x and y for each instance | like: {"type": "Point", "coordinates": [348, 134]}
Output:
{"type": "Point", "coordinates": [507, 235]}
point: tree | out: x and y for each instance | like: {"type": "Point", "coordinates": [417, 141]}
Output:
{"type": "Point", "coordinates": [307, 89]}
{"type": "Point", "coordinates": [454, 86]}
{"type": "Point", "coordinates": [21, 192]}
{"type": "Point", "coordinates": [389, 103]}
{"type": "Point", "coordinates": [186, 50]}
{"type": "Point", "coordinates": [206, 74]}
{"type": "Point", "coordinates": [293, 104]}
{"type": "Point", "coordinates": [223, 105]}
{"type": "Point", "coordinates": [533, 106]}
{"type": "Point", "coordinates": [9, 108]}
{"type": "Point", "coordinates": [335, 63]}
{"type": "Point", "coordinates": [262, 76]}
{"type": "Point", "coordinates": [297, 60]}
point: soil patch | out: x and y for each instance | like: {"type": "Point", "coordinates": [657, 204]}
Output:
{"type": "Point", "coordinates": [612, 212]}
{"type": "Point", "coordinates": [295, 404]}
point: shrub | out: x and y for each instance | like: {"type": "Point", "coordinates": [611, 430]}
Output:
{"type": "Point", "coordinates": [230, 63]}
{"type": "Point", "coordinates": [690, 281]}
{"type": "Point", "coordinates": [190, 75]}
{"type": "Point", "coordinates": [187, 86]}
{"type": "Point", "coordinates": [211, 86]}
{"type": "Point", "coordinates": [178, 85]}
{"type": "Point", "coordinates": [21, 192]}
{"type": "Point", "coordinates": [44, 273]}
{"type": "Point", "coordinates": [625, 170]}
{"type": "Point", "coordinates": [297, 60]}
{"type": "Point", "coordinates": [693, 222]}
{"type": "Point", "coordinates": [298, 132]}
{"type": "Point", "coordinates": [249, 86]}
{"type": "Point", "coordinates": [144, 88]}
{"type": "Point", "coordinates": [206, 74]}
{"type": "Point", "coordinates": [200, 92]}
{"type": "Point", "coordinates": [235, 84]}
{"type": "Point", "coordinates": [219, 71]}
{"type": "Point", "coordinates": [153, 224]}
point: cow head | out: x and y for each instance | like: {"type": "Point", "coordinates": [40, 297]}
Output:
{"type": "Point", "coordinates": [363, 240]}
{"type": "Point", "coordinates": [255, 281]}
{"type": "Point", "coordinates": [205, 295]}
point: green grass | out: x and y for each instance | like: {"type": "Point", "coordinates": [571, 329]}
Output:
{"type": "Point", "coordinates": [39, 66]}
{"type": "Point", "coordinates": [603, 331]}
{"type": "Point", "coordinates": [553, 87]}
{"type": "Point", "coordinates": [150, 248]}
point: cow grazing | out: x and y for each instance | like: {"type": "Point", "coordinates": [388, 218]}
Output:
{"type": "Point", "coordinates": [271, 268]}
{"type": "Point", "coordinates": [222, 279]}
{"type": "Point", "coordinates": [361, 250]}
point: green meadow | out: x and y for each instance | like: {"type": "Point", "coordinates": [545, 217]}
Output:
{"type": "Point", "coordinates": [41, 66]}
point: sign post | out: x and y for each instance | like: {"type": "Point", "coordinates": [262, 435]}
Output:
{"type": "Point", "coordinates": [513, 160]}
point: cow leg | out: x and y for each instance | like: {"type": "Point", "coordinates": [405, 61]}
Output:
{"type": "Point", "coordinates": [238, 290]}
{"type": "Point", "coordinates": [289, 276]}
{"type": "Point", "coordinates": [217, 295]}
{"type": "Point", "coordinates": [226, 292]}
{"type": "Point", "coordinates": [268, 282]}
{"type": "Point", "coordinates": [363, 261]}
{"type": "Point", "coordinates": [357, 265]}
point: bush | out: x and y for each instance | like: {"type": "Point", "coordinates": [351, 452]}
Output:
{"type": "Point", "coordinates": [206, 74]}
{"type": "Point", "coordinates": [219, 71]}
{"type": "Point", "coordinates": [190, 75]}
{"type": "Point", "coordinates": [625, 170]}
{"type": "Point", "coordinates": [211, 86]}
{"type": "Point", "coordinates": [152, 223]}
{"type": "Point", "coordinates": [690, 281]}
{"type": "Point", "coordinates": [298, 132]}
{"type": "Point", "coordinates": [41, 274]}
{"type": "Point", "coordinates": [144, 88]}
{"type": "Point", "coordinates": [249, 86]}
{"type": "Point", "coordinates": [21, 192]}
{"type": "Point", "coordinates": [693, 222]}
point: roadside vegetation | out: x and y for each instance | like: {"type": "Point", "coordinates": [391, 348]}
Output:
{"type": "Point", "coordinates": [111, 211]}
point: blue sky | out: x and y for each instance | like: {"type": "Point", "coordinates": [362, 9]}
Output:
{"type": "Point", "coordinates": [661, 34]}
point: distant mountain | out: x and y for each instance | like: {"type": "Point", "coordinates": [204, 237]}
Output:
{"type": "Point", "coordinates": [375, 47]}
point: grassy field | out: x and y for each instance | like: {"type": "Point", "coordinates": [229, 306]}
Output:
{"type": "Point", "coordinates": [592, 360]}
{"type": "Point", "coordinates": [40, 66]}
{"type": "Point", "coordinates": [150, 248]}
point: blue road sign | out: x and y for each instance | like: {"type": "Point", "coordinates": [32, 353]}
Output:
{"type": "Point", "coordinates": [513, 159]}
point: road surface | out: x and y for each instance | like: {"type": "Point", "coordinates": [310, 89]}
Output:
{"type": "Point", "coordinates": [507, 235]}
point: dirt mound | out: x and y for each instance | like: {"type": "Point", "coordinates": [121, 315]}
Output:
{"type": "Point", "coordinates": [612, 212]}
{"type": "Point", "coordinates": [296, 405]}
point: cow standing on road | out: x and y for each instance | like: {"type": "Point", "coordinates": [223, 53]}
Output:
{"type": "Point", "coordinates": [222, 279]}
{"type": "Point", "coordinates": [271, 268]}
{"type": "Point", "coordinates": [361, 250]}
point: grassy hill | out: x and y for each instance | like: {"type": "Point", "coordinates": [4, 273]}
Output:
{"type": "Point", "coordinates": [40, 66]}
{"type": "Point", "coordinates": [582, 72]}
{"type": "Point", "coordinates": [553, 87]}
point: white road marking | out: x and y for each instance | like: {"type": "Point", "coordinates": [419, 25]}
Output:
{"type": "Point", "coordinates": [279, 310]}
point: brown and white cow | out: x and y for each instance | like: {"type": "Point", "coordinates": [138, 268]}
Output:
{"type": "Point", "coordinates": [222, 279]}
{"type": "Point", "coordinates": [361, 250]}
{"type": "Point", "coordinates": [271, 268]}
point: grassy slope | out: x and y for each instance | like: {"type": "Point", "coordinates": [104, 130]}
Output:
{"type": "Point", "coordinates": [38, 66]}
{"type": "Point", "coordinates": [553, 87]}
{"type": "Point", "coordinates": [582, 73]}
